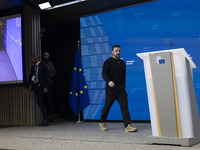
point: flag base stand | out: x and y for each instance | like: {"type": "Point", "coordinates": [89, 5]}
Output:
{"type": "Point", "coordinates": [79, 119]}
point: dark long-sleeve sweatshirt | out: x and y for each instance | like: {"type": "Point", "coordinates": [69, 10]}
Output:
{"type": "Point", "coordinates": [114, 70]}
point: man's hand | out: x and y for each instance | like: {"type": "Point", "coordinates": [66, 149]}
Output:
{"type": "Point", "coordinates": [111, 84]}
{"type": "Point", "coordinates": [45, 90]}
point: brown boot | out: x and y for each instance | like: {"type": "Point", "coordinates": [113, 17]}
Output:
{"type": "Point", "coordinates": [129, 128]}
{"type": "Point", "coordinates": [102, 126]}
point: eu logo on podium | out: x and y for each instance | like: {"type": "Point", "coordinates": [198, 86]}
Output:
{"type": "Point", "coordinates": [162, 61]}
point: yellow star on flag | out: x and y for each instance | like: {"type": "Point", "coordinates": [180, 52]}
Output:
{"type": "Point", "coordinates": [74, 68]}
{"type": "Point", "coordinates": [76, 94]}
{"type": "Point", "coordinates": [81, 92]}
{"type": "Point", "coordinates": [70, 93]}
{"type": "Point", "coordinates": [80, 69]}
{"type": "Point", "coordinates": [85, 87]}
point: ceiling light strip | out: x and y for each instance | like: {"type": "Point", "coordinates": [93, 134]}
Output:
{"type": "Point", "coordinates": [65, 4]}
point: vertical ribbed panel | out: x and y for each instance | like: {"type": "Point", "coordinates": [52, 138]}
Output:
{"type": "Point", "coordinates": [16, 107]}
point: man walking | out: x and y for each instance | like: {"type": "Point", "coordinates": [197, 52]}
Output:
{"type": "Point", "coordinates": [114, 73]}
{"type": "Point", "coordinates": [39, 78]}
{"type": "Point", "coordinates": [48, 97]}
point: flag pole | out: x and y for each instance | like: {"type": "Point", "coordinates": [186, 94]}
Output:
{"type": "Point", "coordinates": [79, 115]}
{"type": "Point", "coordinates": [79, 118]}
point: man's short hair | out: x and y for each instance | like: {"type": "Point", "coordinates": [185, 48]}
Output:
{"type": "Point", "coordinates": [46, 51]}
{"type": "Point", "coordinates": [34, 57]}
{"type": "Point", "coordinates": [115, 46]}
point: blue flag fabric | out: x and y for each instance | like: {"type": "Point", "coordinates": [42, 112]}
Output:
{"type": "Point", "coordinates": [78, 92]}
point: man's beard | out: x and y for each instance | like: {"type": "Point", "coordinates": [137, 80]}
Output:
{"type": "Point", "coordinates": [45, 60]}
{"type": "Point", "coordinates": [117, 56]}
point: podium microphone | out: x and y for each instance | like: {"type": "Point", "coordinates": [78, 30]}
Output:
{"type": "Point", "coordinates": [169, 45]}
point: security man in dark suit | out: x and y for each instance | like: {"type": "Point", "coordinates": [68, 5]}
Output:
{"type": "Point", "coordinates": [40, 80]}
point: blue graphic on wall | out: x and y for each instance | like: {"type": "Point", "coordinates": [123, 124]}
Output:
{"type": "Point", "coordinates": [142, 28]}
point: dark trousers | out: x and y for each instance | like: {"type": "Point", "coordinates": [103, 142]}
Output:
{"type": "Point", "coordinates": [119, 93]}
{"type": "Point", "coordinates": [48, 98]}
{"type": "Point", "coordinates": [39, 93]}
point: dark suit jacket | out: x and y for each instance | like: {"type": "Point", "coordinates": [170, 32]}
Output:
{"type": "Point", "coordinates": [43, 76]}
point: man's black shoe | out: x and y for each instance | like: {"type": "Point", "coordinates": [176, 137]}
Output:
{"type": "Point", "coordinates": [44, 123]}
{"type": "Point", "coordinates": [52, 117]}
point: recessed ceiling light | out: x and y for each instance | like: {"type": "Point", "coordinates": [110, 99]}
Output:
{"type": "Point", "coordinates": [44, 5]}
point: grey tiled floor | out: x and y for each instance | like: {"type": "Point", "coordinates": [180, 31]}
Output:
{"type": "Point", "coordinates": [83, 136]}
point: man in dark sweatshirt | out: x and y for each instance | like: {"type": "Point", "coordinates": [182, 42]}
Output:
{"type": "Point", "coordinates": [114, 73]}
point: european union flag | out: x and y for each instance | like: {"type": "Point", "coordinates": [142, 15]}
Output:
{"type": "Point", "coordinates": [78, 93]}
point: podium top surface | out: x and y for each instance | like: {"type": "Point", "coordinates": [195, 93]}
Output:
{"type": "Point", "coordinates": [174, 51]}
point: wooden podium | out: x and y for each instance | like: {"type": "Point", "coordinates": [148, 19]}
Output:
{"type": "Point", "coordinates": [172, 101]}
